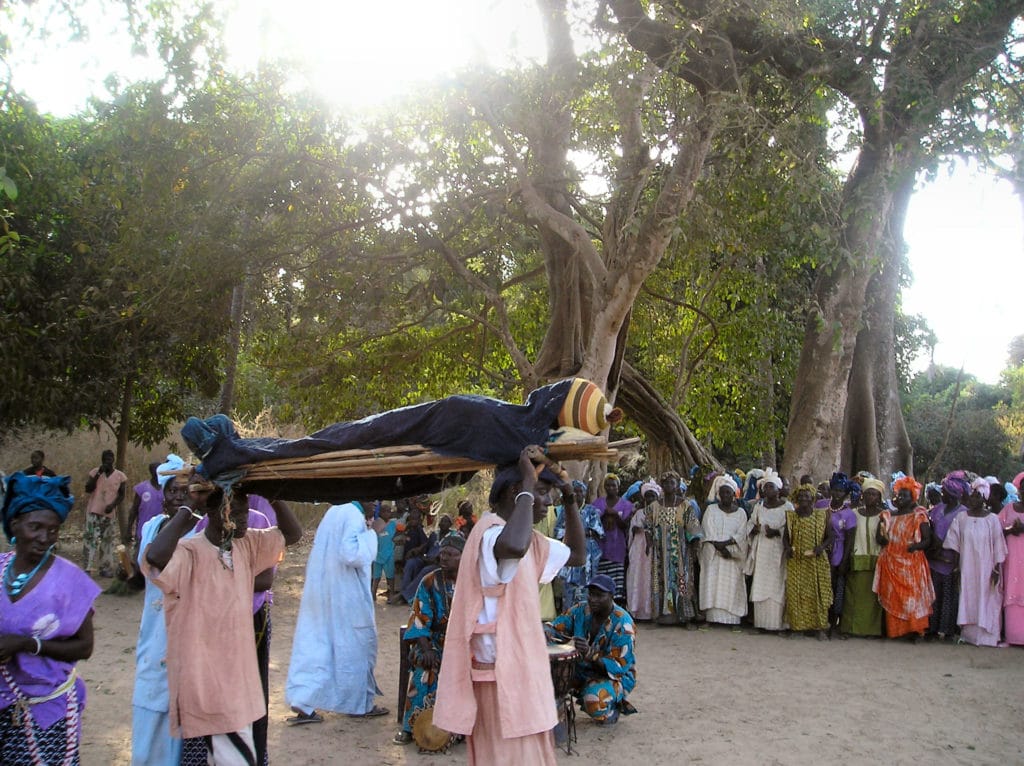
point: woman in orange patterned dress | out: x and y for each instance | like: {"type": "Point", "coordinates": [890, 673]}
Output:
{"type": "Point", "coordinates": [902, 580]}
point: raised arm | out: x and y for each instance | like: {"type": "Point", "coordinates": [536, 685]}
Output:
{"type": "Point", "coordinates": [575, 536]}
{"type": "Point", "coordinates": [159, 552]}
{"type": "Point", "coordinates": [358, 541]}
{"type": "Point", "coordinates": [287, 522]}
{"type": "Point", "coordinates": [514, 540]}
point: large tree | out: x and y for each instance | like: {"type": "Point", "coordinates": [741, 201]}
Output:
{"type": "Point", "coordinates": [901, 66]}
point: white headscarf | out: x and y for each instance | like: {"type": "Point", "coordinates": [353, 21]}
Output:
{"type": "Point", "coordinates": [650, 486]}
{"type": "Point", "coordinates": [770, 477]}
{"type": "Point", "coordinates": [982, 487]}
{"type": "Point", "coordinates": [724, 480]}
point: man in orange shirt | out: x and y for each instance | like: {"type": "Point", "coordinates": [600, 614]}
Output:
{"type": "Point", "coordinates": [208, 580]}
{"type": "Point", "coordinates": [106, 487]}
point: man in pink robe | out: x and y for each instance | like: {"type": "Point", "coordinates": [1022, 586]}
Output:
{"type": "Point", "coordinates": [495, 680]}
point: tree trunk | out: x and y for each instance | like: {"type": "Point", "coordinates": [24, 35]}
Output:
{"type": "Point", "coordinates": [874, 432]}
{"type": "Point", "coordinates": [671, 443]}
{"type": "Point", "coordinates": [818, 408]}
{"type": "Point", "coordinates": [124, 422]}
{"type": "Point", "coordinates": [227, 389]}
{"type": "Point", "coordinates": [592, 289]}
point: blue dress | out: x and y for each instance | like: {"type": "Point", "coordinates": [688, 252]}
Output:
{"type": "Point", "coordinates": [575, 579]}
{"type": "Point", "coordinates": [607, 676]}
{"type": "Point", "coordinates": [429, 619]}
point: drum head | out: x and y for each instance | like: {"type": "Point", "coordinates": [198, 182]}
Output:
{"type": "Point", "coordinates": [561, 652]}
{"type": "Point", "coordinates": [430, 738]}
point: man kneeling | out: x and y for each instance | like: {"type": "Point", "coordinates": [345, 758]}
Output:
{"type": "Point", "coordinates": [602, 632]}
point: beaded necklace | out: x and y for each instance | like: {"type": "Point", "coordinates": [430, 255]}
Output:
{"type": "Point", "coordinates": [16, 584]}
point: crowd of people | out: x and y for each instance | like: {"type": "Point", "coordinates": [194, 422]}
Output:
{"type": "Point", "coordinates": [548, 571]}
{"type": "Point", "coordinates": [847, 557]}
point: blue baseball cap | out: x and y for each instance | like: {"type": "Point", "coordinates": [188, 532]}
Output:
{"type": "Point", "coordinates": [602, 582]}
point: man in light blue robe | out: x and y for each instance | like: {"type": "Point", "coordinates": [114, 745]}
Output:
{"type": "Point", "coordinates": [152, 743]}
{"type": "Point", "coordinates": [335, 645]}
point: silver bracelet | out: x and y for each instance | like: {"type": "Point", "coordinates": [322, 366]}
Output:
{"type": "Point", "coordinates": [528, 494]}
{"type": "Point", "coordinates": [194, 515]}
{"type": "Point", "coordinates": [39, 645]}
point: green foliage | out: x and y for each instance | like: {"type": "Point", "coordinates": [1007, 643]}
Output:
{"type": "Point", "coordinates": [721, 325]}
{"type": "Point", "coordinates": [977, 439]}
{"type": "Point", "coordinates": [395, 261]}
{"type": "Point", "coordinates": [913, 337]}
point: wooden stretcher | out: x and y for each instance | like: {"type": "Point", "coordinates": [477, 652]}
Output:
{"type": "Point", "coordinates": [416, 460]}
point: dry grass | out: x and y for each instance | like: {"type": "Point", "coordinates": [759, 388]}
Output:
{"type": "Point", "coordinates": [76, 454]}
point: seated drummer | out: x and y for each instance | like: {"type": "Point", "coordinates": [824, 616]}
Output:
{"type": "Point", "coordinates": [425, 634]}
{"type": "Point", "coordinates": [602, 632]}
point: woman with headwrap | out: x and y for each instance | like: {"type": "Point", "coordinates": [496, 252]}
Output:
{"type": "Point", "coordinates": [425, 635]}
{"type": "Point", "coordinates": [843, 521]}
{"type": "Point", "coordinates": [419, 565]}
{"type": "Point", "coordinates": [1011, 519]}
{"type": "Point", "coordinates": [902, 581]}
{"type": "Point", "coordinates": [976, 540]}
{"type": "Point", "coordinates": [615, 514]}
{"type": "Point", "coordinates": [997, 495]}
{"type": "Point", "coordinates": [723, 553]}
{"type": "Point", "coordinates": [45, 627]}
{"type": "Point", "coordinates": [861, 613]}
{"type": "Point", "coordinates": [675, 531]}
{"type": "Point", "coordinates": [766, 562]}
{"type": "Point", "coordinates": [575, 579]}
{"type": "Point", "coordinates": [641, 544]}
{"type": "Point", "coordinates": [945, 580]}
{"type": "Point", "coordinates": [808, 537]}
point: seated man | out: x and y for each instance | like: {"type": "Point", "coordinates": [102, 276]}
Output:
{"type": "Point", "coordinates": [602, 633]}
{"type": "Point", "coordinates": [425, 634]}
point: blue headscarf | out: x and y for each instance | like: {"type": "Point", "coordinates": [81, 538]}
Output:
{"type": "Point", "coordinates": [634, 490]}
{"type": "Point", "coordinates": [855, 491]}
{"type": "Point", "coordinates": [33, 493]}
{"type": "Point", "coordinates": [841, 482]}
{"type": "Point", "coordinates": [171, 466]}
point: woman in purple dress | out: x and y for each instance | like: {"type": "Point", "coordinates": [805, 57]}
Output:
{"type": "Point", "coordinates": [843, 521]}
{"type": "Point", "coordinates": [45, 627]}
{"type": "Point", "coordinates": [945, 579]}
{"type": "Point", "coordinates": [615, 514]}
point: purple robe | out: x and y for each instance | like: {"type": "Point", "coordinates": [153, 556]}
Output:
{"type": "Point", "coordinates": [613, 546]}
{"type": "Point", "coordinates": [941, 522]}
{"type": "Point", "coordinates": [843, 519]}
{"type": "Point", "coordinates": [55, 608]}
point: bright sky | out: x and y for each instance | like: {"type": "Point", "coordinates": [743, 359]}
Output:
{"type": "Point", "coordinates": [966, 240]}
{"type": "Point", "coordinates": [965, 232]}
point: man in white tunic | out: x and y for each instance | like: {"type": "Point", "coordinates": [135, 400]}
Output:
{"type": "Point", "coordinates": [335, 645]}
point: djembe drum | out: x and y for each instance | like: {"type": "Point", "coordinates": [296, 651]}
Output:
{"type": "Point", "coordinates": [563, 667]}
{"type": "Point", "coordinates": [429, 738]}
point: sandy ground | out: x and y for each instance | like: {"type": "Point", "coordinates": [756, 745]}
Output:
{"type": "Point", "coordinates": [711, 696]}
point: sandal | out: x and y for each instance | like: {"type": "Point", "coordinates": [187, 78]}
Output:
{"type": "Point", "coordinates": [402, 738]}
{"type": "Point", "coordinates": [377, 711]}
{"type": "Point", "coordinates": [301, 718]}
